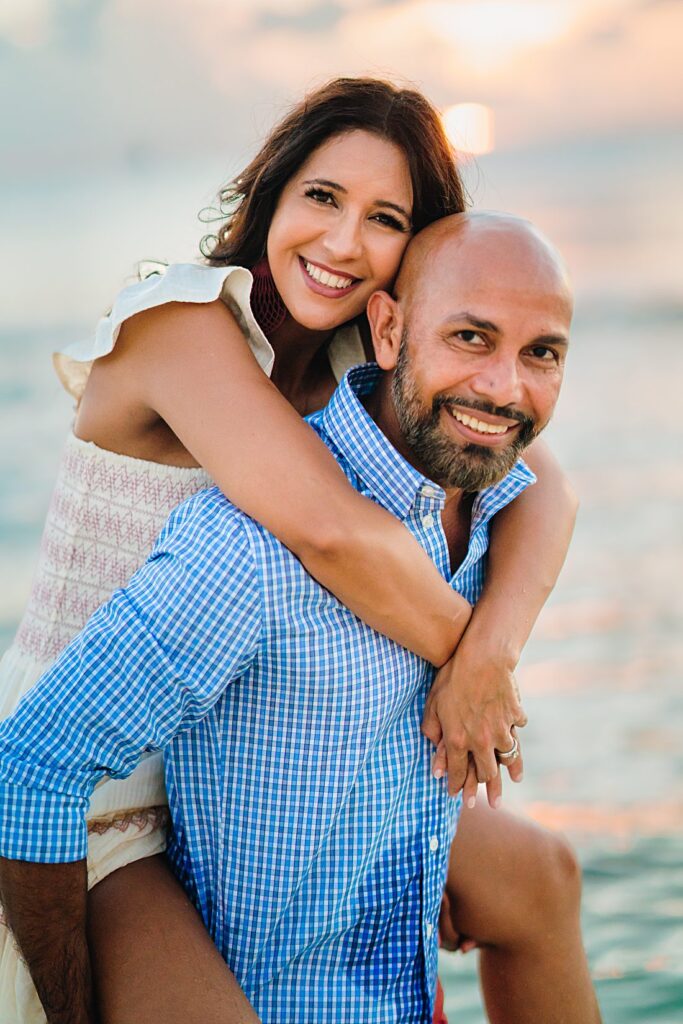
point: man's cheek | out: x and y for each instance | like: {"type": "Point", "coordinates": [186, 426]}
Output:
{"type": "Point", "coordinates": [545, 400]}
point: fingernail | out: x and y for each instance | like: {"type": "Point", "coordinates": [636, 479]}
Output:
{"type": "Point", "coordinates": [471, 802]}
{"type": "Point", "coordinates": [497, 802]}
{"type": "Point", "coordinates": [438, 773]}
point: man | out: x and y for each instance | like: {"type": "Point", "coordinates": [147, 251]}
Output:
{"type": "Point", "coordinates": [307, 826]}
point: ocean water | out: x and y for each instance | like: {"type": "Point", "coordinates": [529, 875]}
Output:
{"type": "Point", "coordinates": [602, 675]}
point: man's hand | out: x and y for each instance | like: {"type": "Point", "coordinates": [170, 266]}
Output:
{"type": "Point", "coordinates": [45, 905]}
{"type": "Point", "coordinates": [471, 710]}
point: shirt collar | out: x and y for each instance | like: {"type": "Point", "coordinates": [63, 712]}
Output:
{"type": "Point", "coordinates": [386, 474]}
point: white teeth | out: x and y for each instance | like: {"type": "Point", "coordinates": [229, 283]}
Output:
{"type": "Point", "coordinates": [478, 425]}
{"type": "Point", "coordinates": [324, 277]}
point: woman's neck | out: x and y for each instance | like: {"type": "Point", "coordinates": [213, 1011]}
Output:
{"type": "Point", "coordinates": [301, 370]}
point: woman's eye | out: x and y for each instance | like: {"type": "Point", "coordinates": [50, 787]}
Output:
{"type": "Point", "coordinates": [391, 222]}
{"type": "Point", "coordinates": [320, 195]}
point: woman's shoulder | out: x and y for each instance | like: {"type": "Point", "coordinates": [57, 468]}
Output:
{"type": "Point", "coordinates": [178, 283]}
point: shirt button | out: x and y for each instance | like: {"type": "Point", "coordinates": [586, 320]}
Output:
{"type": "Point", "coordinates": [429, 492]}
{"type": "Point", "coordinates": [429, 929]}
{"type": "Point", "coordinates": [433, 844]}
{"type": "Point", "coordinates": [428, 520]}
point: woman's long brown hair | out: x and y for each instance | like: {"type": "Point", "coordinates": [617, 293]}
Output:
{"type": "Point", "coordinates": [402, 116]}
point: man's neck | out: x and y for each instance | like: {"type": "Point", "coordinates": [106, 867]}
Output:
{"type": "Point", "coordinates": [456, 515]}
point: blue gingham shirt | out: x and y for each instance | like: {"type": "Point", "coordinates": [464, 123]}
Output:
{"type": "Point", "coordinates": [307, 827]}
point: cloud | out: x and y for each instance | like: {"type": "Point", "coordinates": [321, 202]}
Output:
{"type": "Point", "coordinates": [91, 81]}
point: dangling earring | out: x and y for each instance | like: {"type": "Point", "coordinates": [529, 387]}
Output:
{"type": "Point", "coordinates": [266, 304]}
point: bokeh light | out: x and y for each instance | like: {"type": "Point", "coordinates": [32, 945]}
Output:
{"type": "Point", "coordinates": [469, 127]}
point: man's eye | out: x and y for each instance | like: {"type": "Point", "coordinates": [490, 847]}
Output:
{"type": "Point", "coordinates": [544, 354]}
{"type": "Point", "coordinates": [320, 195]}
{"type": "Point", "coordinates": [468, 336]}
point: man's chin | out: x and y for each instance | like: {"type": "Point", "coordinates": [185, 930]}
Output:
{"type": "Point", "coordinates": [478, 467]}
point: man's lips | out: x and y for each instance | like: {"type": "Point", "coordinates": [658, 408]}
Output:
{"type": "Point", "coordinates": [481, 428]}
{"type": "Point", "coordinates": [326, 281]}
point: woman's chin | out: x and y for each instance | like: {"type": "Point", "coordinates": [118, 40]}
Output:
{"type": "Point", "coordinates": [324, 320]}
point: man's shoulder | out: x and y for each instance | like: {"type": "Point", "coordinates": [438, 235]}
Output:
{"type": "Point", "coordinates": [207, 519]}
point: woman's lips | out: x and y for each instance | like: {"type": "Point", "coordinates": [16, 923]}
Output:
{"type": "Point", "coordinates": [332, 286]}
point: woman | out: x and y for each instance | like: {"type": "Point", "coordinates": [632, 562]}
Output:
{"type": "Point", "coordinates": [168, 386]}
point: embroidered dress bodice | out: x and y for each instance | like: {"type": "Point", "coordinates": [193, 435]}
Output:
{"type": "Point", "coordinates": [105, 513]}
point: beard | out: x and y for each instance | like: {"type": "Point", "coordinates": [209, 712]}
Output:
{"type": "Point", "coordinates": [469, 467]}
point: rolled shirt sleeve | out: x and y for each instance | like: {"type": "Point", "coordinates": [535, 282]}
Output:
{"type": "Point", "coordinates": [149, 664]}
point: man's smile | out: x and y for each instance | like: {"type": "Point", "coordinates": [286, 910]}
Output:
{"type": "Point", "coordinates": [475, 429]}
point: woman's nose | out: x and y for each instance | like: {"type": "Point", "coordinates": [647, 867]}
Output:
{"type": "Point", "coordinates": [343, 240]}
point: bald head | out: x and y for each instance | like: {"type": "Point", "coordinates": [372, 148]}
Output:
{"type": "Point", "coordinates": [477, 249]}
{"type": "Point", "coordinates": [473, 347]}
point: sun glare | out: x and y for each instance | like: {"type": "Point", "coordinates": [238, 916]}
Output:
{"type": "Point", "coordinates": [469, 126]}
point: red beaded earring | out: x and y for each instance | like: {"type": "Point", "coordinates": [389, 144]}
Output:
{"type": "Point", "coordinates": [266, 304]}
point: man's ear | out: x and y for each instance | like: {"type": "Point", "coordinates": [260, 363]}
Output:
{"type": "Point", "coordinates": [385, 317]}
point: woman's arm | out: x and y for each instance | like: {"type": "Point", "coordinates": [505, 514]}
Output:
{"type": "Point", "coordinates": [529, 543]}
{"type": "Point", "coordinates": [189, 364]}
{"type": "Point", "coordinates": [474, 698]}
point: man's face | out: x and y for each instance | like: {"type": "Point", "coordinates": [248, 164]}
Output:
{"type": "Point", "coordinates": [480, 361]}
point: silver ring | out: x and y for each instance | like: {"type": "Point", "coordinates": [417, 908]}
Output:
{"type": "Point", "coordinates": [509, 755]}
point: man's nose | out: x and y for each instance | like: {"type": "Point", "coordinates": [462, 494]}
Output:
{"type": "Point", "coordinates": [498, 380]}
{"type": "Point", "coordinates": [343, 240]}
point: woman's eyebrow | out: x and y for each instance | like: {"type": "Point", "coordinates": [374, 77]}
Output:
{"type": "Point", "coordinates": [340, 188]}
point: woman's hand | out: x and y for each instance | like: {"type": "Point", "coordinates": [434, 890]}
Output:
{"type": "Point", "coordinates": [471, 711]}
{"type": "Point", "coordinates": [449, 937]}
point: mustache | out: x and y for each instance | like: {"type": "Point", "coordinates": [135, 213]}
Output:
{"type": "Point", "coordinates": [443, 401]}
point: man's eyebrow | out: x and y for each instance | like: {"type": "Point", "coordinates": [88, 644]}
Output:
{"type": "Point", "coordinates": [488, 325]}
{"type": "Point", "coordinates": [377, 202]}
{"type": "Point", "coordinates": [470, 318]}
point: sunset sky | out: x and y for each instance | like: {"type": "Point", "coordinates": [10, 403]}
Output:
{"type": "Point", "coordinates": [578, 90]}
{"type": "Point", "coordinates": [159, 75]}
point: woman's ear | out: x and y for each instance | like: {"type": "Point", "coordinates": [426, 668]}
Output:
{"type": "Point", "coordinates": [386, 324]}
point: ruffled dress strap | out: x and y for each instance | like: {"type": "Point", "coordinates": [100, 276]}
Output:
{"type": "Point", "coordinates": [180, 282]}
{"type": "Point", "coordinates": [189, 282]}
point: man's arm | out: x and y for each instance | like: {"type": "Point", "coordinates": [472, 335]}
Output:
{"type": "Point", "coordinates": [149, 664]}
{"type": "Point", "coordinates": [45, 906]}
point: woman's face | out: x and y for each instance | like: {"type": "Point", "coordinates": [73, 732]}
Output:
{"type": "Point", "coordinates": [340, 228]}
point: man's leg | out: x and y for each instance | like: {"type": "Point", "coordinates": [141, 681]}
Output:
{"type": "Point", "coordinates": [516, 888]}
{"type": "Point", "coordinates": [153, 959]}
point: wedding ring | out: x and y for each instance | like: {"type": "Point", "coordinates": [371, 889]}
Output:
{"type": "Point", "coordinates": [509, 755]}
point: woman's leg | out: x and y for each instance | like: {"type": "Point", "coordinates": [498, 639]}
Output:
{"type": "Point", "coordinates": [153, 959]}
{"type": "Point", "coordinates": [515, 888]}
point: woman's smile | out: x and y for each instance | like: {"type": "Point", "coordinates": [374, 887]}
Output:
{"type": "Point", "coordinates": [325, 281]}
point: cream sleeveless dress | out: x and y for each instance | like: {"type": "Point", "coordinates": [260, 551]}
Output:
{"type": "Point", "coordinates": [105, 513]}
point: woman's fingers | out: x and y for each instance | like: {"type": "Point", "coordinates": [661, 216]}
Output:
{"type": "Point", "coordinates": [440, 761]}
{"type": "Point", "coordinates": [509, 755]}
{"type": "Point", "coordinates": [469, 790]}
